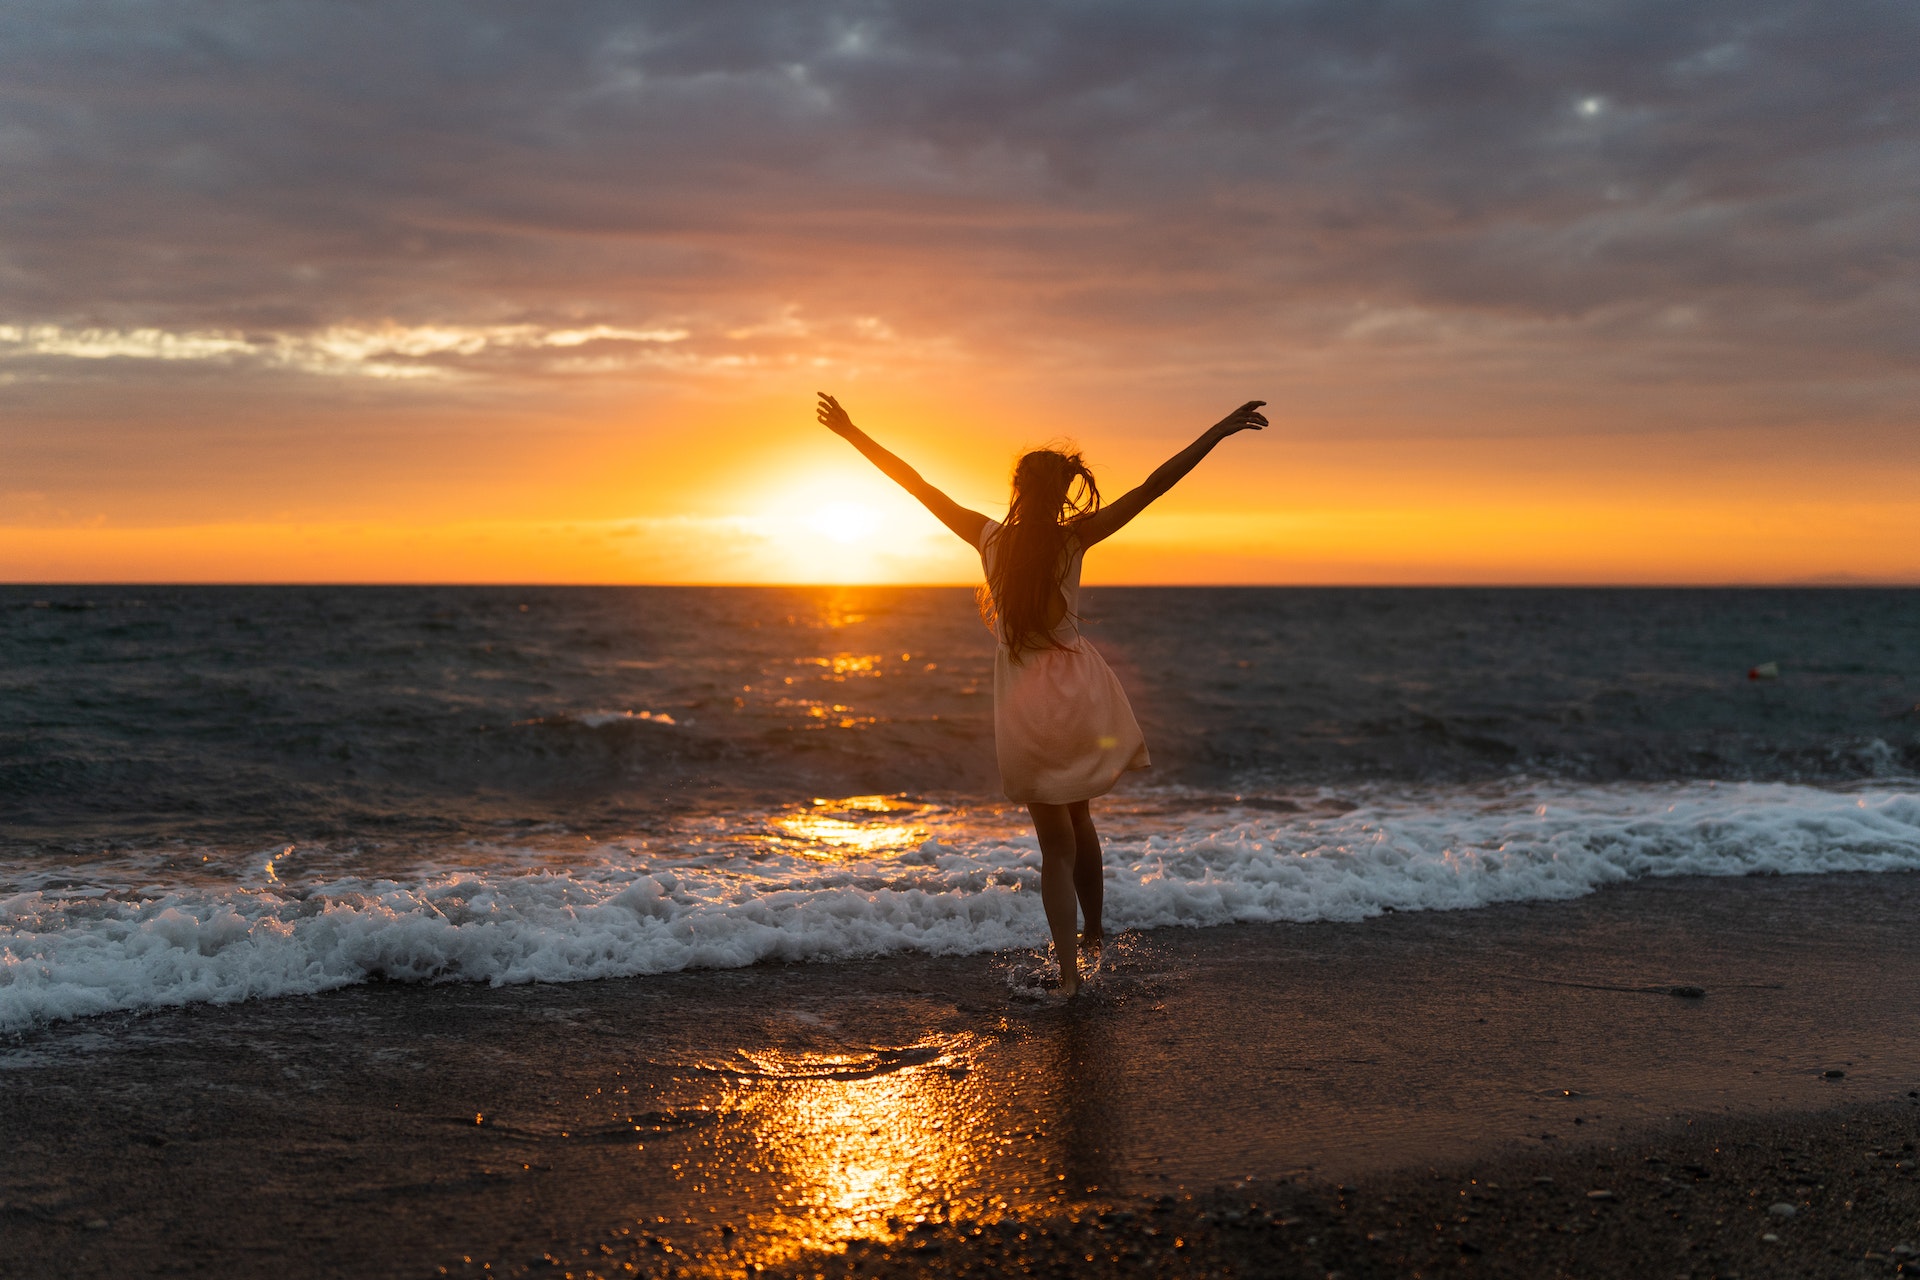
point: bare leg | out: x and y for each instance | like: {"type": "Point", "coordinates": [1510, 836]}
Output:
{"type": "Point", "coordinates": [1089, 875]}
{"type": "Point", "coordinates": [1053, 824]}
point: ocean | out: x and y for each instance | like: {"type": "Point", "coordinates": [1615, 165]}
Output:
{"type": "Point", "coordinates": [227, 793]}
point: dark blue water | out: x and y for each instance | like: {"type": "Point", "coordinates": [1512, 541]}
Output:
{"type": "Point", "coordinates": [269, 713]}
{"type": "Point", "coordinates": [228, 793]}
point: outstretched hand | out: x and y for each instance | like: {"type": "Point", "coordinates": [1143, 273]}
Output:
{"type": "Point", "coordinates": [1246, 418]}
{"type": "Point", "coordinates": [964, 523]}
{"type": "Point", "coordinates": [832, 416]}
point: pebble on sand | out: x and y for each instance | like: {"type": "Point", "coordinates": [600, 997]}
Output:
{"type": "Point", "coordinates": [1782, 1210]}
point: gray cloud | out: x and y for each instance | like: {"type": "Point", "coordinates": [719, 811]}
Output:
{"type": "Point", "coordinates": [1715, 190]}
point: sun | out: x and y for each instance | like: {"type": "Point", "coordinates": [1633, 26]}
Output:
{"type": "Point", "coordinates": [844, 522]}
{"type": "Point", "coordinates": [841, 524]}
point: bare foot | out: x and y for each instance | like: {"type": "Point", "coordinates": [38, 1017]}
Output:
{"type": "Point", "coordinates": [1090, 943]}
{"type": "Point", "coordinates": [1070, 979]}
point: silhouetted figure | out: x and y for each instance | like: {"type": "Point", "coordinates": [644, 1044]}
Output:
{"type": "Point", "coordinates": [1062, 728]}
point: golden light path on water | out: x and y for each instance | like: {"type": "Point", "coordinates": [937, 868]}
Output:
{"type": "Point", "coordinates": [857, 825]}
{"type": "Point", "coordinates": [860, 1143]}
{"type": "Point", "coordinates": [860, 1146]}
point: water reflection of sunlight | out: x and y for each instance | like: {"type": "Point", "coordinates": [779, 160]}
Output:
{"type": "Point", "coordinates": [855, 826]}
{"type": "Point", "coordinates": [866, 1144]}
{"type": "Point", "coordinates": [842, 665]}
{"type": "Point", "coordinates": [841, 609]}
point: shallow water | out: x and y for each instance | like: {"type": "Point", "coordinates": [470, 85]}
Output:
{"type": "Point", "coordinates": [218, 793]}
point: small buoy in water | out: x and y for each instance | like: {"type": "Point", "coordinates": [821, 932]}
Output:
{"type": "Point", "coordinates": [1765, 671]}
{"type": "Point", "coordinates": [1687, 993]}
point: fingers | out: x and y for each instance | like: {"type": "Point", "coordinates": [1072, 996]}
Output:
{"type": "Point", "coordinates": [828, 413]}
{"type": "Point", "coordinates": [1246, 418]}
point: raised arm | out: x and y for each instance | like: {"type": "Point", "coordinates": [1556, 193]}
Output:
{"type": "Point", "coordinates": [1110, 519]}
{"type": "Point", "coordinates": [967, 524]}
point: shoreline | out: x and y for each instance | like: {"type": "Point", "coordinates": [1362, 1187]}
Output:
{"type": "Point", "coordinates": [867, 876]}
{"type": "Point", "coordinates": [779, 1115]}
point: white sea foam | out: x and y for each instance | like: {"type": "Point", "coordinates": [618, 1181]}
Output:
{"type": "Point", "coordinates": [866, 878]}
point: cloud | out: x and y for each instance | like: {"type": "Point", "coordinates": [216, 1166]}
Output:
{"type": "Point", "coordinates": [385, 351]}
{"type": "Point", "coordinates": [443, 189]}
{"type": "Point", "coordinates": [436, 352]}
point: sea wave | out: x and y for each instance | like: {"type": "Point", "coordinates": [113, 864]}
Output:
{"type": "Point", "coordinates": [953, 887]}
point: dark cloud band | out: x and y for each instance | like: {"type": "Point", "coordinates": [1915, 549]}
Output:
{"type": "Point", "coordinates": [1735, 181]}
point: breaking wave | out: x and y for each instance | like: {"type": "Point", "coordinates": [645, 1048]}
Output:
{"type": "Point", "coordinates": [871, 876]}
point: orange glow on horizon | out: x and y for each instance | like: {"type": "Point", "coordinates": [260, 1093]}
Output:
{"type": "Point", "coordinates": [1664, 544]}
{"type": "Point", "coordinates": [749, 492]}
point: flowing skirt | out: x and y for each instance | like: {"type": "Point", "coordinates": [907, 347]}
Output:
{"type": "Point", "coordinates": [1062, 727]}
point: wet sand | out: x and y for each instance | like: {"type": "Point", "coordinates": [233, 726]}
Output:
{"type": "Point", "coordinates": [814, 1118]}
{"type": "Point", "coordinates": [1831, 1194]}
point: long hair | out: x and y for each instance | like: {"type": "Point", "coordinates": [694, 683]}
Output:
{"type": "Point", "coordinates": [1051, 490]}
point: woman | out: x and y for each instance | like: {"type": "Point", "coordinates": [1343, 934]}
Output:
{"type": "Point", "coordinates": [1062, 728]}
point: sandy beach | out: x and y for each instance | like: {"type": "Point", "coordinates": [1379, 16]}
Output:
{"type": "Point", "coordinates": [1384, 1098]}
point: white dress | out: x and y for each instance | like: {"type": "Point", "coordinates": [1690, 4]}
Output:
{"type": "Point", "coordinates": [1062, 728]}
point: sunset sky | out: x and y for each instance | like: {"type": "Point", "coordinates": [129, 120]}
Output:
{"type": "Point", "coordinates": [425, 291]}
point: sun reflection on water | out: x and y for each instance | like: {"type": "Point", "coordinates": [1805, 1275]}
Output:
{"type": "Point", "coordinates": [858, 826]}
{"type": "Point", "coordinates": [863, 1145]}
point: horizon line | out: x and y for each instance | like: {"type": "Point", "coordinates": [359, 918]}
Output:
{"type": "Point", "coordinates": [1820, 583]}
